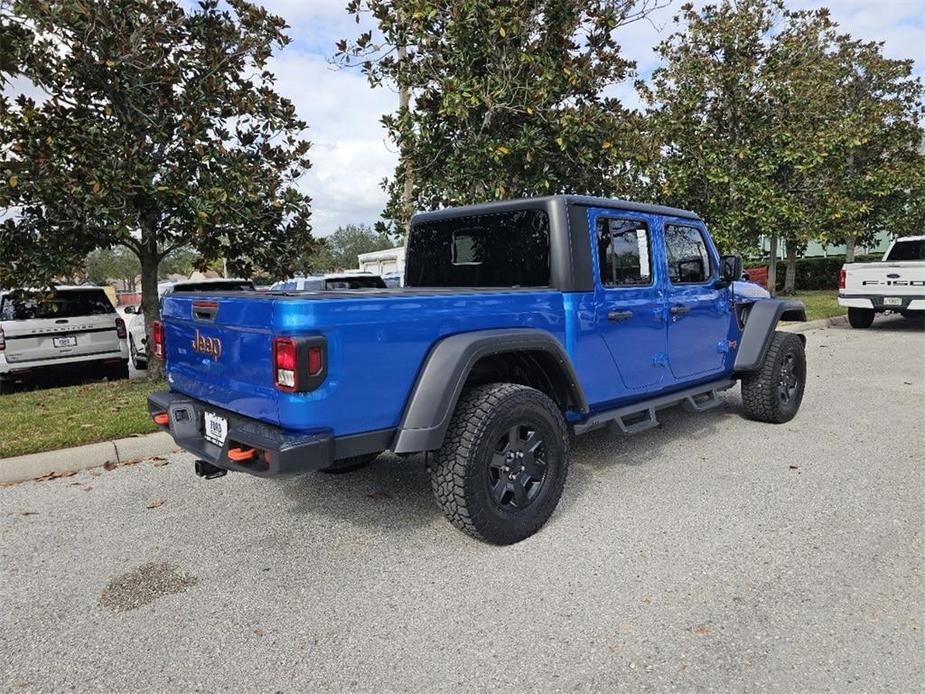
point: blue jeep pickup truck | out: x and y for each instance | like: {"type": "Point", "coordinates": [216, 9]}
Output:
{"type": "Point", "coordinates": [521, 322]}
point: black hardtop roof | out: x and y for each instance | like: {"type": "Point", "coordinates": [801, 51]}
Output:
{"type": "Point", "coordinates": [545, 200]}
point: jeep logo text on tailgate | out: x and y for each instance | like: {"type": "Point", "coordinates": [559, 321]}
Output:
{"type": "Point", "coordinates": [207, 345]}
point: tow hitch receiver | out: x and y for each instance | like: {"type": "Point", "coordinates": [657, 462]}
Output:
{"type": "Point", "coordinates": [208, 470]}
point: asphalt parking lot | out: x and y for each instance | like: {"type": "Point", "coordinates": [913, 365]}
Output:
{"type": "Point", "coordinates": [712, 553]}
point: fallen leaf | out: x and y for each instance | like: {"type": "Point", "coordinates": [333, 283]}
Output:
{"type": "Point", "coordinates": [109, 465]}
{"type": "Point", "coordinates": [794, 467]}
{"type": "Point", "coordinates": [67, 473]}
{"type": "Point", "coordinates": [88, 488]}
{"type": "Point", "coordinates": [160, 463]}
{"type": "Point", "coordinates": [378, 496]}
{"type": "Point", "coordinates": [29, 513]}
{"type": "Point", "coordinates": [154, 503]}
{"type": "Point", "coordinates": [259, 632]}
{"type": "Point", "coordinates": [701, 630]}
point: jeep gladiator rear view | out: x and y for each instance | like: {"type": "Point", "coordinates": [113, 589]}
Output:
{"type": "Point", "coordinates": [521, 322]}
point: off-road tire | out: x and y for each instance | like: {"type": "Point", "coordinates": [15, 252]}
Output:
{"type": "Point", "coordinates": [357, 462]}
{"type": "Point", "coordinates": [7, 387]}
{"type": "Point", "coordinates": [762, 393]}
{"type": "Point", "coordinates": [861, 317]}
{"type": "Point", "coordinates": [459, 470]}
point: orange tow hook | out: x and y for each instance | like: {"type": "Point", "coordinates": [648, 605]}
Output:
{"type": "Point", "coordinates": [162, 418]}
{"type": "Point", "coordinates": [239, 455]}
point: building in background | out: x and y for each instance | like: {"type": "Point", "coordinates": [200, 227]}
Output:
{"type": "Point", "coordinates": [387, 262]}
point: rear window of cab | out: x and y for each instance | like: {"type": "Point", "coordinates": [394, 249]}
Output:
{"type": "Point", "coordinates": [66, 303]}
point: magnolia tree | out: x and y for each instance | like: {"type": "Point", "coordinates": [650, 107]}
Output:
{"type": "Point", "coordinates": [159, 129]}
{"type": "Point", "coordinates": [507, 98]}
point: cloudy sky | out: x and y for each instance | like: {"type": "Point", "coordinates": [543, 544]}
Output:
{"type": "Point", "coordinates": [350, 153]}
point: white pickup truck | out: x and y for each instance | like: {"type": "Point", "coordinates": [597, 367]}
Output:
{"type": "Point", "coordinates": [896, 283]}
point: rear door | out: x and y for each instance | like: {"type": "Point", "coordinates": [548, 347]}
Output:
{"type": "Point", "coordinates": [630, 312]}
{"type": "Point", "coordinates": [698, 312]}
{"type": "Point", "coordinates": [62, 324]}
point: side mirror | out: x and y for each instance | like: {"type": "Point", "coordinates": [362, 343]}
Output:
{"type": "Point", "coordinates": [730, 269]}
{"type": "Point", "coordinates": [130, 310]}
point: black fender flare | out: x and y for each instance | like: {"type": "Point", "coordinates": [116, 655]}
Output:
{"type": "Point", "coordinates": [442, 377]}
{"type": "Point", "coordinates": [763, 317]}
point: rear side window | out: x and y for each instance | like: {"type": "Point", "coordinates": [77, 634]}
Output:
{"type": "Point", "coordinates": [624, 252]}
{"type": "Point", "coordinates": [504, 249]}
{"type": "Point", "coordinates": [61, 304]}
{"type": "Point", "coordinates": [907, 250]}
{"type": "Point", "coordinates": [688, 257]}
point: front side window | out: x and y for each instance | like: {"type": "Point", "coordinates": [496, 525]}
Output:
{"type": "Point", "coordinates": [688, 256]}
{"type": "Point", "coordinates": [624, 254]}
{"type": "Point", "coordinates": [501, 249]}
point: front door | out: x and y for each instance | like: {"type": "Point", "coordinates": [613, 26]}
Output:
{"type": "Point", "coordinates": [631, 305]}
{"type": "Point", "coordinates": [698, 312]}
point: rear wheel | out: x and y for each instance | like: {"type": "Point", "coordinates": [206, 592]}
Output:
{"type": "Point", "coordinates": [118, 373]}
{"type": "Point", "coordinates": [6, 387]}
{"type": "Point", "coordinates": [357, 462]}
{"type": "Point", "coordinates": [138, 361]}
{"type": "Point", "coordinates": [774, 392]}
{"type": "Point", "coordinates": [860, 317]}
{"type": "Point", "coordinates": [500, 472]}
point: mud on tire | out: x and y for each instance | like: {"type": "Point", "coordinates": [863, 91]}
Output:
{"type": "Point", "coordinates": [500, 472]}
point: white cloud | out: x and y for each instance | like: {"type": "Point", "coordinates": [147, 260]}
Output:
{"type": "Point", "coordinates": [350, 154]}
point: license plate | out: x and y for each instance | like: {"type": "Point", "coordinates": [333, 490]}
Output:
{"type": "Point", "coordinates": [68, 341]}
{"type": "Point", "coordinates": [215, 428]}
{"type": "Point", "coordinates": [892, 301]}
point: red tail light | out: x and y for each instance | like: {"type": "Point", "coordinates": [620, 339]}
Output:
{"type": "Point", "coordinates": [157, 339]}
{"type": "Point", "coordinates": [120, 328]}
{"type": "Point", "coordinates": [2, 340]}
{"type": "Point", "coordinates": [286, 375]}
{"type": "Point", "coordinates": [299, 363]}
{"type": "Point", "coordinates": [842, 277]}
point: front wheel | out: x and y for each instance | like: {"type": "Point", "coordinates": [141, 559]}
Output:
{"type": "Point", "coordinates": [774, 392]}
{"type": "Point", "coordinates": [860, 317]}
{"type": "Point", "coordinates": [503, 463]}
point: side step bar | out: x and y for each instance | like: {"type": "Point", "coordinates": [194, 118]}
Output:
{"type": "Point", "coordinates": [640, 416]}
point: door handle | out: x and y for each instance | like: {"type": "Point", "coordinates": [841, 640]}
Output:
{"type": "Point", "coordinates": [619, 315]}
{"type": "Point", "coordinates": [680, 310]}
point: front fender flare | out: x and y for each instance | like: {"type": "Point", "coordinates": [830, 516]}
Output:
{"type": "Point", "coordinates": [759, 330]}
{"type": "Point", "coordinates": [441, 379]}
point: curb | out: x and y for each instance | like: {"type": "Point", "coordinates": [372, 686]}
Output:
{"type": "Point", "coordinates": [814, 324]}
{"type": "Point", "coordinates": [28, 467]}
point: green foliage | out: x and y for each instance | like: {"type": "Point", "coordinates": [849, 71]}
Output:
{"type": "Point", "coordinates": [162, 129]}
{"type": "Point", "coordinates": [818, 273]}
{"type": "Point", "coordinates": [772, 123]}
{"type": "Point", "coordinates": [339, 251]}
{"type": "Point", "coordinates": [108, 264]}
{"type": "Point", "coordinates": [509, 97]}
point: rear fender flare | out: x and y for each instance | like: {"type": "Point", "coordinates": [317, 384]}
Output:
{"type": "Point", "coordinates": [762, 321]}
{"type": "Point", "coordinates": [433, 399]}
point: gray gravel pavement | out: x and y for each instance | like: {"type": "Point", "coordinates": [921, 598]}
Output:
{"type": "Point", "coordinates": [712, 553]}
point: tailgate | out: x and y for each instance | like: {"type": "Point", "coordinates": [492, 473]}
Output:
{"type": "Point", "coordinates": [881, 278]}
{"type": "Point", "coordinates": [219, 349]}
{"type": "Point", "coordinates": [49, 339]}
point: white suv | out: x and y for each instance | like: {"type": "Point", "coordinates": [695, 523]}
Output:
{"type": "Point", "coordinates": [65, 332]}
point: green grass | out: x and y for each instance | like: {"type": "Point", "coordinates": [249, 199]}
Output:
{"type": "Point", "coordinates": [822, 303]}
{"type": "Point", "coordinates": [45, 420]}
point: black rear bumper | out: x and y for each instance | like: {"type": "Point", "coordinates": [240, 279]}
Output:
{"type": "Point", "coordinates": [277, 452]}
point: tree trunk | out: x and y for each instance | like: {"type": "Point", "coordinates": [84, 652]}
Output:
{"type": "Point", "coordinates": [790, 279]}
{"type": "Point", "coordinates": [150, 305]}
{"type": "Point", "coordinates": [407, 191]}
{"type": "Point", "coordinates": [772, 266]}
{"type": "Point", "coordinates": [850, 244]}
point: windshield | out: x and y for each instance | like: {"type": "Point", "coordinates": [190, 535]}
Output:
{"type": "Point", "coordinates": [503, 249]}
{"type": "Point", "coordinates": [65, 303]}
{"type": "Point", "coordinates": [907, 250]}
{"type": "Point", "coordinates": [354, 283]}
{"type": "Point", "coordinates": [217, 286]}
